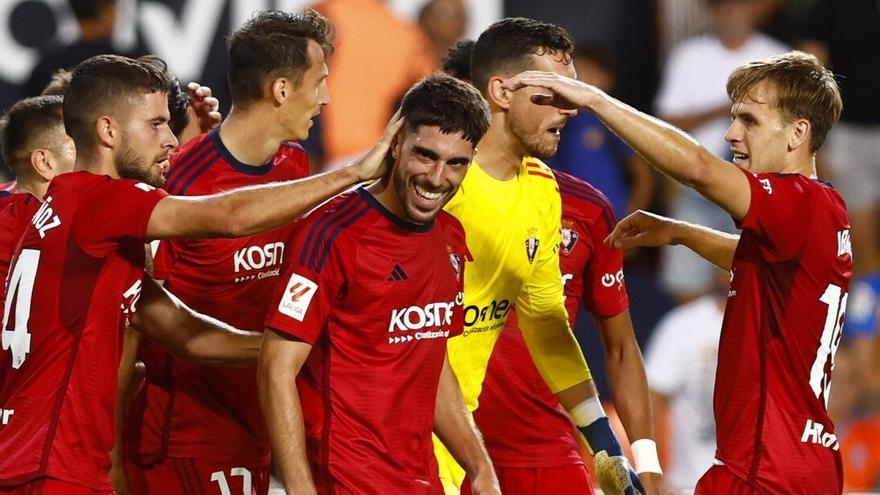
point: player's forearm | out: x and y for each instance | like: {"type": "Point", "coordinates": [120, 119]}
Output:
{"type": "Point", "coordinates": [626, 376]}
{"type": "Point", "coordinates": [663, 146]}
{"type": "Point", "coordinates": [454, 426]}
{"type": "Point", "coordinates": [190, 335]}
{"type": "Point", "coordinates": [712, 245]}
{"type": "Point", "coordinates": [555, 351]}
{"type": "Point", "coordinates": [282, 410]}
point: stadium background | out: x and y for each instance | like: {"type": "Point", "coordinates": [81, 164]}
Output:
{"type": "Point", "coordinates": [638, 34]}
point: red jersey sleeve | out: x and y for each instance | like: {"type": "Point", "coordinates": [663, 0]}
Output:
{"type": "Point", "coordinates": [163, 259]}
{"type": "Point", "coordinates": [780, 207]}
{"type": "Point", "coordinates": [604, 289]}
{"type": "Point", "coordinates": [115, 210]}
{"type": "Point", "coordinates": [308, 291]}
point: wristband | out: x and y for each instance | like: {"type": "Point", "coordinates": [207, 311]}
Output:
{"type": "Point", "coordinates": [587, 412]}
{"type": "Point", "coordinates": [644, 453]}
{"type": "Point", "coordinates": [600, 436]}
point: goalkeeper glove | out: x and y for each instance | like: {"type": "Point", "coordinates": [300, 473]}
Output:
{"type": "Point", "coordinates": [613, 471]}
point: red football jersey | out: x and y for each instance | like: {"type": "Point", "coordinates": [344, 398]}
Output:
{"type": "Point", "coordinates": [75, 277]}
{"type": "Point", "coordinates": [788, 292]}
{"type": "Point", "coordinates": [521, 420]}
{"type": "Point", "coordinates": [210, 412]}
{"type": "Point", "coordinates": [16, 212]}
{"type": "Point", "coordinates": [377, 297]}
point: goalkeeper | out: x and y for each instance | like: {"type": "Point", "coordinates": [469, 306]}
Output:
{"type": "Point", "coordinates": [510, 206]}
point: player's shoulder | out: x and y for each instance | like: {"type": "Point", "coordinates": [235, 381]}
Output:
{"type": "Point", "coordinates": [542, 172]}
{"type": "Point", "coordinates": [337, 222]}
{"type": "Point", "coordinates": [451, 225]}
{"type": "Point", "coordinates": [583, 200]}
{"type": "Point", "coordinates": [293, 156]}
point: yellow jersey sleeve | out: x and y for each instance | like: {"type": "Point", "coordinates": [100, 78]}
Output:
{"type": "Point", "coordinates": [540, 305]}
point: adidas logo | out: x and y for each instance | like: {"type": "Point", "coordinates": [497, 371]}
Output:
{"type": "Point", "coordinates": [397, 274]}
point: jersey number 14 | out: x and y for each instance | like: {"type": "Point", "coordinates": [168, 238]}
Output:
{"type": "Point", "coordinates": [820, 381]}
{"type": "Point", "coordinates": [18, 297]}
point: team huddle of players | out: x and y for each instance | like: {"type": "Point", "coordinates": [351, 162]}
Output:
{"type": "Point", "coordinates": [402, 324]}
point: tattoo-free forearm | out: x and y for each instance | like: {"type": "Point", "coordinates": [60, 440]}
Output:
{"type": "Point", "coordinates": [714, 246]}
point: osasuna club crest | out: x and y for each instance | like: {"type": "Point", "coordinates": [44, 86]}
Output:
{"type": "Point", "coordinates": [456, 261]}
{"type": "Point", "coordinates": [532, 248]}
{"type": "Point", "coordinates": [569, 239]}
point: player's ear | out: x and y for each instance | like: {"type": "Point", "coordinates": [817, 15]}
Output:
{"type": "Point", "coordinates": [40, 162]}
{"type": "Point", "coordinates": [799, 134]}
{"type": "Point", "coordinates": [280, 89]}
{"type": "Point", "coordinates": [497, 94]}
{"type": "Point", "coordinates": [106, 131]}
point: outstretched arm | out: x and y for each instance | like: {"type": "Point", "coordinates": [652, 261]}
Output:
{"type": "Point", "coordinates": [665, 147]}
{"type": "Point", "coordinates": [455, 427]}
{"type": "Point", "coordinates": [251, 210]}
{"type": "Point", "coordinates": [645, 229]}
{"type": "Point", "coordinates": [189, 335]}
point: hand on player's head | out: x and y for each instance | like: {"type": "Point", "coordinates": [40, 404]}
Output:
{"type": "Point", "coordinates": [562, 92]}
{"type": "Point", "coordinates": [375, 163]}
{"type": "Point", "coordinates": [642, 229]}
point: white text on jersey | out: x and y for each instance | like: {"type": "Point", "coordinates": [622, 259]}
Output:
{"type": "Point", "coordinates": [814, 432]}
{"type": "Point", "coordinates": [45, 219]}
{"type": "Point", "coordinates": [258, 257]}
{"type": "Point", "coordinates": [844, 243]}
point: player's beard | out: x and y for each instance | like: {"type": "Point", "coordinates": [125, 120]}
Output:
{"type": "Point", "coordinates": [537, 143]}
{"type": "Point", "coordinates": [132, 166]}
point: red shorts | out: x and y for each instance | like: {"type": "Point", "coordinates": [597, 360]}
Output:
{"type": "Point", "coordinates": [719, 479]}
{"type": "Point", "coordinates": [48, 486]}
{"type": "Point", "coordinates": [195, 477]}
{"type": "Point", "coordinates": [558, 480]}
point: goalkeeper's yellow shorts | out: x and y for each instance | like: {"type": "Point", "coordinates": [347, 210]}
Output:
{"type": "Point", "coordinates": [451, 474]}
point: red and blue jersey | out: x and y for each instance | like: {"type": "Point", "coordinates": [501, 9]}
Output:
{"type": "Point", "coordinates": [188, 410]}
{"type": "Point", "coordinates": [377, 297]}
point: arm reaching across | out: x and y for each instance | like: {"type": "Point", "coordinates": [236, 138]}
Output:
{"type": "Point", "coordinates": [189, 335]}
{"type": "Point", "coordinates": [251, 210]}
{"type": "Point", "coordinates": [645, 229]}
{"type": "Point", "coordinates": [455, 427]}
{"type": "Point", "coordinates": [665, 148]}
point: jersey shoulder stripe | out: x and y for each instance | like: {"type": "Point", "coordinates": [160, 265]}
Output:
{"type": "Point", "coordinates": [538, 168]}
{"type": "Point", "coordinates": [327, 228]}
{"type": "Point", "coordinates": [206, 164]}
{"type": "Point", "coordinates": [573, 187]}
{"type": "Point", "coordinates": [183, 167]}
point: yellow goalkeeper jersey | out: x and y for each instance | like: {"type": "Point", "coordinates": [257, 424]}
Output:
{"type": "Point", "coordinates": [513, 230]}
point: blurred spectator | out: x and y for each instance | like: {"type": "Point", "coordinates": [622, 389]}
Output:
{"type": "Point", "coordinates": [693, 97]}
{"type": "Point", "coordinates": [378, 56]}
{"type": "Point", "coordinates": [680, 362]}
{"type": "Point", "coordinates": [97, 21]}
{"type": "Point", "coordinates": [845, 35]}
{"type": "Point", "coordinates": [588, 150]}
{"type": "Point", "coordinates": [860, 447]}
{"type": "Point", "coordinates": [444, 22]}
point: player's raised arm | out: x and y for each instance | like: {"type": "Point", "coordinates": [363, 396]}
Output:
{"type": "Point", "coordinates": [455, 427]}
{"type": "Point", "coordinates": [645, 229]}
{"type": "Point", "coordinates": [281, 360]}
{"type": "Point", "coordinates": [255, 209]}
{"type": "Point", "coordinates": [189, 335]}
{"type": "Point", "coordinates": [665, 147]}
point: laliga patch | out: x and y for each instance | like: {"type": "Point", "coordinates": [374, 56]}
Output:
{"type": "Point", "coordinates": [297, 297]}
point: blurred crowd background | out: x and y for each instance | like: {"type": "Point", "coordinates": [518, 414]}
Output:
{"type": "Point", "coordinates": [668, 57]}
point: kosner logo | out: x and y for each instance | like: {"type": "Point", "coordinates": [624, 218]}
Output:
{"type": "Point", "coordinates": [417, 317]}
{"type": "Point", "coordinates": [258, 257]}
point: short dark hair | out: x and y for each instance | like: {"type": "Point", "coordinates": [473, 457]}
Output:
{"type": "Point", "coordinates": [804, 89]}
{"type": "Point", "coordinates": [448, 103]}
{"type": "Point", "coordinates": [178, 98]}
{"type": "Point", "coordinates": [457, 62]}
{"type": "Point", "coordinates": [85, 10]}
{"type": "Point", "coordinates": [58, 84]}
{"type": "Point", "coordinates": [505, 47]}
{"type": "Point", "coordinates": [273, 44]}
{"type": "Point", "coordinates": [102, 85]}
{"type": "Point", "coordinates": [25, 124]}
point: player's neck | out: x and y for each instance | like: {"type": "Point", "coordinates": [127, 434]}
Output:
{"type": "Point", "coordinates": [32, 187]}
{"type": "Point", "coordinates": [250, 137]}
{"type": "Point", "coordinates": [499, 154]}
{"type": "Point", "coordinates": [98, 162]}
